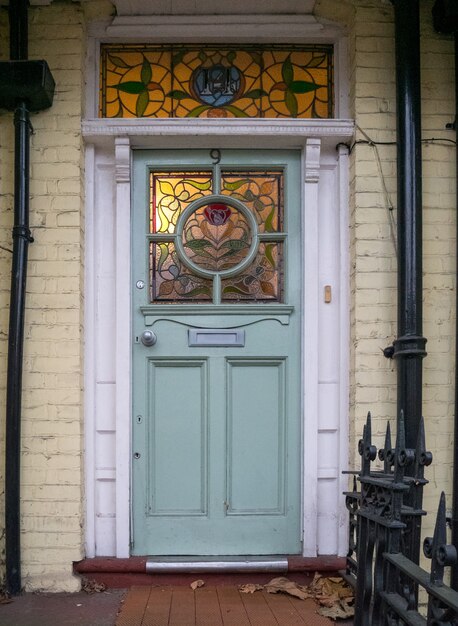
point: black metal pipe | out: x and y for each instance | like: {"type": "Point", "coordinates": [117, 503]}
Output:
{"type": "Point", "coordinates": [409, 347]}
{"type": "Point", "coordinates": [21, 239]}
{"type": "Point", "coordinates": [19, 31]}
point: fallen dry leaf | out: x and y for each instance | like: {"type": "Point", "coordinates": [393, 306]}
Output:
{"type": "Point", "coordinates": [250, 588]}
{"type": "Point", "coordinates": [283, 585]}
{"type": "Point", "coordinates": [92, 586]}
{"type": "Point", "coordinates": [343, 610]}
{"type": "Point", "coordinates": [196, 584]}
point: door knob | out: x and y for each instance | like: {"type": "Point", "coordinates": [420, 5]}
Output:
{"type": "Point", "coordinates": [148, 338]}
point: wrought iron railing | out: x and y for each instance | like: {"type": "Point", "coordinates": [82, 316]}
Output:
{"type": "Point", "coordinates": [385, 512]}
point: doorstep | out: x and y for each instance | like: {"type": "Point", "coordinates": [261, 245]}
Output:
{"type": "Point", "coordinates": [135, 570]}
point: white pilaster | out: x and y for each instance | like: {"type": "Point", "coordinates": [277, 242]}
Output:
{"type": "Point", "coordinates": [123, 345]}
{"type": "Point", "coordinates": [310, 342]}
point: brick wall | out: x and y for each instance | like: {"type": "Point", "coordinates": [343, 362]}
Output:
{"type": "Point", "coordinates": [373, 261]}
{"type": "Point", "coordinates": [52, 511]}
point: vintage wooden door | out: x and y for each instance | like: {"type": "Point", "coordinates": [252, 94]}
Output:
{"type": "Point", "coordinates": [216, 352]}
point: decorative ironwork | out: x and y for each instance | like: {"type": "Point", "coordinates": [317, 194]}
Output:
{"type": "Point", "coordinates": [383, 517]}
{"type": "Point", "coordinates": [160, 81]}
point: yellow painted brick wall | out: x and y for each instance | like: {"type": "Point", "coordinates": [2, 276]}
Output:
{"type": "Point", "coordinates": [52, 509]}
{"type": "Point", "coordinates": [373, 264]}
{"type": "Point", "coordinates": [52, 485]}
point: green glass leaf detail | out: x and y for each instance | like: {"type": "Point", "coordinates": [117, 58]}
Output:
{"type": "Point", "coordinates": [178, 57]}
{"type": "Point", "coordinates": [249, 195]}
{"type": "Point", "coordinates": [258, 205]}
{"type": "Point", "coordinates": [291, 103]}
{"type": "Point", "coordinates": [197, 291]}
{"type": "Point", "coordinates": [317, 61]}
{"type": "Point", "coordinates": [234, 245]}
{"type": "Point", "coordinates": [117, 61]}
{"type": "Point", "coordinates": [236, 184]}
{"type": "Point", "coordinates": [257, 58]}
{"type": "Point", "coordinates": [302, 86]}
{"type": "Point", "coordinates": [198, 110]}
{"type": "Point", "coordinates": [131, 86]}
{"type": "Point", "coordinates": [197, 185]}
{"type": "Point", "coordinates": [235, 111]}
{"type": "Point", "coordinates": [255, 93]}
{"type": "Point", "coordinates": [163, 247]}
{"type": "Point", "coordinates": [142, 103]}
{"type": "Point", "coordinates": [268, 224]}
{"type": "Point", "coordinates": [146, 73]}
{"type": "Point", "coordinates": [197, 244]}
{"type": "Point", "coordinates": [202, 56]}
{"type": "Point", "coordinates": [177, 94]}
{"type": "Point", "coordinates": [236, 290]}
{"type": "Point", "coordinates": [269, 254]}
{"type": "Point", "coordinates": [231, 56]}
{"type": "Point", "coordinates": [287, 71]}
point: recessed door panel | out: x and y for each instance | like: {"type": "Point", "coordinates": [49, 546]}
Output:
{"type": "Point", "coordinates": [256, 437]}
{"type": "Point", "coordinates": [177, 438]}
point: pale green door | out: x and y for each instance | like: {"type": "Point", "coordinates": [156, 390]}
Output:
{"type": "Point", "coordinates": [216, 399]}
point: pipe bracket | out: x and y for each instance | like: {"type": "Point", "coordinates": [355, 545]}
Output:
{"type": "Point", "coordinates": [409, 346]}
{"type": "Point", "coordinates": [22, 232]}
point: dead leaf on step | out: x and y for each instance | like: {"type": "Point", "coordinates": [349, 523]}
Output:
{"type": "Point", "coordinates": [250, 588]}
{"type": "Point", "coordinates": [92, 586]}
{"type": "Point", "coordinates": [196, 584]}
{"type": "Point", "coordinates": [344, 609]}
{"type": "Point", "coordinates": [283, 585]}
{"type": "Point", "coordinates": [334, 596]}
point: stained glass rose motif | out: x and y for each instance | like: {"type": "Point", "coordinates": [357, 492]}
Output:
{"type": "Point", "coordinates": [217, 214]}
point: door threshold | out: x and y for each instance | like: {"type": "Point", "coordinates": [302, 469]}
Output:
{"type": "Point", "coordinates": [216, 564]}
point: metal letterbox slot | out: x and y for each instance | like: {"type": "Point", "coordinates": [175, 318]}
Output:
{"type": "Point", "coordinates": [216, 337]}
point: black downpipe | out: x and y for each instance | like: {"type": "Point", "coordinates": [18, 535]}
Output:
{"type": "Point", "coordinates": [21, 239]}
{"type": "Point", "coordinates": [409, 347]}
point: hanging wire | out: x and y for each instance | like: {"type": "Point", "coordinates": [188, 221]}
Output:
{"type": "Point", "coordinates": [368, 141]}
{"type": "Point", "coordinates": [388, 203]}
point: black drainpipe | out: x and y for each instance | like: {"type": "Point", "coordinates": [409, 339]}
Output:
{"type": "Point", "coordinates": [24, 86]}
{"type": "Point", "coordinates": [409, 347]}
{"type": "Point", "coordinates": [445, 18]}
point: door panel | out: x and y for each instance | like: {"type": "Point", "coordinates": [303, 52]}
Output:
{"type": "Point", "coordinates": [216, 400]}
{"type": "Point", "coordinates": [255, 437]}
{"type": "Point", "coordinates": [177, 428]}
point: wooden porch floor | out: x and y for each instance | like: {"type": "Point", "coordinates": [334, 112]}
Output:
{"type": "Point", "coordinates": [215, 606]}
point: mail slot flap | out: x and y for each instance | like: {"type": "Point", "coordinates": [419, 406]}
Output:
{"type": "Point", "coordinates": [216, 337]}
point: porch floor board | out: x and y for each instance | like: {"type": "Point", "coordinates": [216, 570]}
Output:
{"type": "Point", "coordinates": [215, 606]}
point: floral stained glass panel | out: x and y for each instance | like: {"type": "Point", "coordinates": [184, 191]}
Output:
{"type": "Point", "coordinates": [216, 236]}
{"type": "Point", "coordinates": [171, 193]}
{"type": "Point", "coordinates": [160, 81]}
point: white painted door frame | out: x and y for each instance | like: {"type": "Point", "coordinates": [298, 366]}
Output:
{"type": "Point", "coordinates": [325, 335]}
{"type": "Point", "coordinates": [108, 282]}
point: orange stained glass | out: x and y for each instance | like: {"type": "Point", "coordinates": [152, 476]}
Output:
{"type": "Point", "coordinates": [204, 81]}
{"type": "Point", "coordinates": [261, 192]}
{"type": "Point", "coordinates": [216, 235]}
{"type": "Point", "coordinates": [171, 192]}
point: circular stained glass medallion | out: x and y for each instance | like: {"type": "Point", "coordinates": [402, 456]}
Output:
{"type": "Point", "coordinates": [216, 85]}
{"type": "Point", "coordinates": [217, 235]}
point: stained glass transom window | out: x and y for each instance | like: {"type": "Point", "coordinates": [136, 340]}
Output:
{"type": "Point", "coordinates": [159, 81]}
{"type": "Point", "coordinates": [216, 236]}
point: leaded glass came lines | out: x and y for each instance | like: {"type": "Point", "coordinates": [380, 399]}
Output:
{"type": "Point", "coordinates": [159, 81]}
{"type": "Point", "coordinates": [193, 240]}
